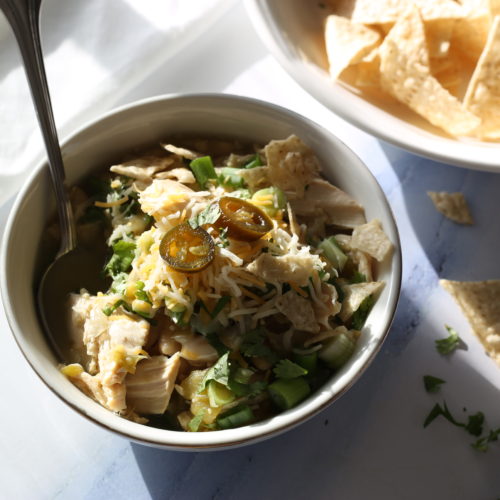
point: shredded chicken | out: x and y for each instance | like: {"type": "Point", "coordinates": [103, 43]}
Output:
{"type": "Point", "coordinates": [150, 387]}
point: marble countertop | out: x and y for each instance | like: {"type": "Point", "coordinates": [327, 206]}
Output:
{"type": "Point", "coordinates": [371, 442]}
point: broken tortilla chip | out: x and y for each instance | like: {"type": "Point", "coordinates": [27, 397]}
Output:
{"type": "Point", "coordinates": [371, 239]}
{"type": "Point", "coordinates": [405, 73]}
{"type": "Point", "coordinates": [483, 93]}
{"type": "Point", "coordinates": [347, 43]}
{"type": "Point", "coordinates": [354, 296]}
{"type": "Point", "coordinates": [480, 303]}
{"type": "Point", "coordinates": [452, 205]}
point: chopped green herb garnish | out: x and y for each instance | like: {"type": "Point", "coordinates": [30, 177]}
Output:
{"type": "Point", "coordinates": [119, 283]}
{"type": "Point", "coordinates": [224, 240]}
{"type": "Point", "coordinates": [176, 316]}
{"type": "Point", "coordinates": [438, 410]}
{"type": "Point", "coordinates": [221, 303]}
{"type": "Point", "coordinates": [218, 372]}
{"type": "Point", "coordinates": [475, 423]}
{"type": "Point", "coordinates": [121, 260]}
{"type": "Point", "coordinates": [357, 277]}
{"type": "Point", "coordinates": [448, 344]}
{"type": "Point", "coordinates": [288, 369]}
{"type": "Point", "coordinates": [359, 316]}
{"type": "Point", "coordinates": [432, 384]}
{"type": "Point", "coordinates": [207, 216]}
{"type": "Point", "coordinates": [203, 170]}
{"type": "Point", "coordinates": [215, 342]}
{"type": "Point", "coordinates": [253, 345]}
{"type": "Point", "coordinates": [482, 443]}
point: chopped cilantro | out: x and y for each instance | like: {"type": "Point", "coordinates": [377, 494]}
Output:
{"type": "Point", "coordinates": [132, 206]}
{"type": "Point", "coordinates": [207, 216]}
{"type": "Point", "coordinates": [221, 303]}
{"type": "Point", "coordinates": [475, 423]}
{"type": "Point", "coordinates": [119, 283]}
{"type": "Point", "coordinates": [176, 316]}
{"type": "Point", "coordinates": [253, 345]}
{"type": "Point", "coordinates": [224, 240]}
{"type": "Point", "coordinates": [438, 410]}
{"type": "Point", "coordinates": [218, 372]}
{"type": "Point", "coordinates": [448, 344]}
{"type": "Point", "coordinates": [357, 277]}
{"type": "Point", "coordinates": [482, 443]}
{"type": "Point", "coordinates": [432, 384]}
{"type": "Point", "coordinates": [359, 316]}
{"type": "Point", "coordinates": [288, 369]}
{"type": "Point", "coordinates": [215, 342]}
{"type": "Point", "coordinates": [121, 260]}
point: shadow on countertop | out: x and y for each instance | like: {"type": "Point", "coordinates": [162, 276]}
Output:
{"type": "Point", "coordinates": [455, 251]}
{"type": "Point", "coordinates": [342, 454]}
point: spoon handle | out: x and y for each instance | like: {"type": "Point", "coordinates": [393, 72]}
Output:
{"type": "Point", "coordinates": [24, 17]}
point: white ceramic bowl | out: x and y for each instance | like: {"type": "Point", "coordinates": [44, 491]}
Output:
{"type": "Point", "coordinates": [293, 32]}
{"type": "Point", "coordinates": [145, 123]}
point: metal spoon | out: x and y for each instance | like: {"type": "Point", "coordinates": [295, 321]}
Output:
{"type": "Point", "coordinates": [74, 267]}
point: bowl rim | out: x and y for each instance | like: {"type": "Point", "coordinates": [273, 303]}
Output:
{"type": "Point", "coordinates": [226, 438]}
{"type": "Point", "coordinates": [474, 155]}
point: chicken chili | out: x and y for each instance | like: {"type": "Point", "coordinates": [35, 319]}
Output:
{"type": "Point", "coordinates": [240, 279]}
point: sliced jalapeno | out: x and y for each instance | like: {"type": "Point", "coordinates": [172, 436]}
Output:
{"type": "Point", "coordinates": [186, 249]}
{"type": "Point", "coordinates": [244, 221]}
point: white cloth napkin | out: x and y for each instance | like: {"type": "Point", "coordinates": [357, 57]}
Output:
{"type": "Point", "coordinates": [95, 52]}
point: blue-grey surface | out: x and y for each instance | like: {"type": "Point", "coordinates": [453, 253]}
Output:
{"type": "Point", "coordinates": [371, 442]}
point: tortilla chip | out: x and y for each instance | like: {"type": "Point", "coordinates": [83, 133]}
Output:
{"type": "Point", "coordinates": [371, 239]}
{"type": "Point", "coordinates": [494, 7]}
{"type": "Point", "coordinates": [438, 33]}
{"type": "Point", "coordinates": [452, 205]}
{"type": "Point", "coordinates": [483, 93]}
{"type": "Point", "coordinates": [368, 70]}
{"type": "Point", "coordinates": [470, 34]}
{"type": "Point", "coordinates": [354, 296]}
{"type": "Point", "coordinates": [386, 11]}
{"type": "Point", "coordinates": [347, 43]}
{"type": "Point", "coordinates": [405, 73]}
{"type": "Point", "coordinates": [446, 71]}
{"type": "Point", "coordinates": [480, 303]}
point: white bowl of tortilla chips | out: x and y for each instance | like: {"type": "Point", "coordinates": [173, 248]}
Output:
{"type": "Point", "coordinates": [421, 74]}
